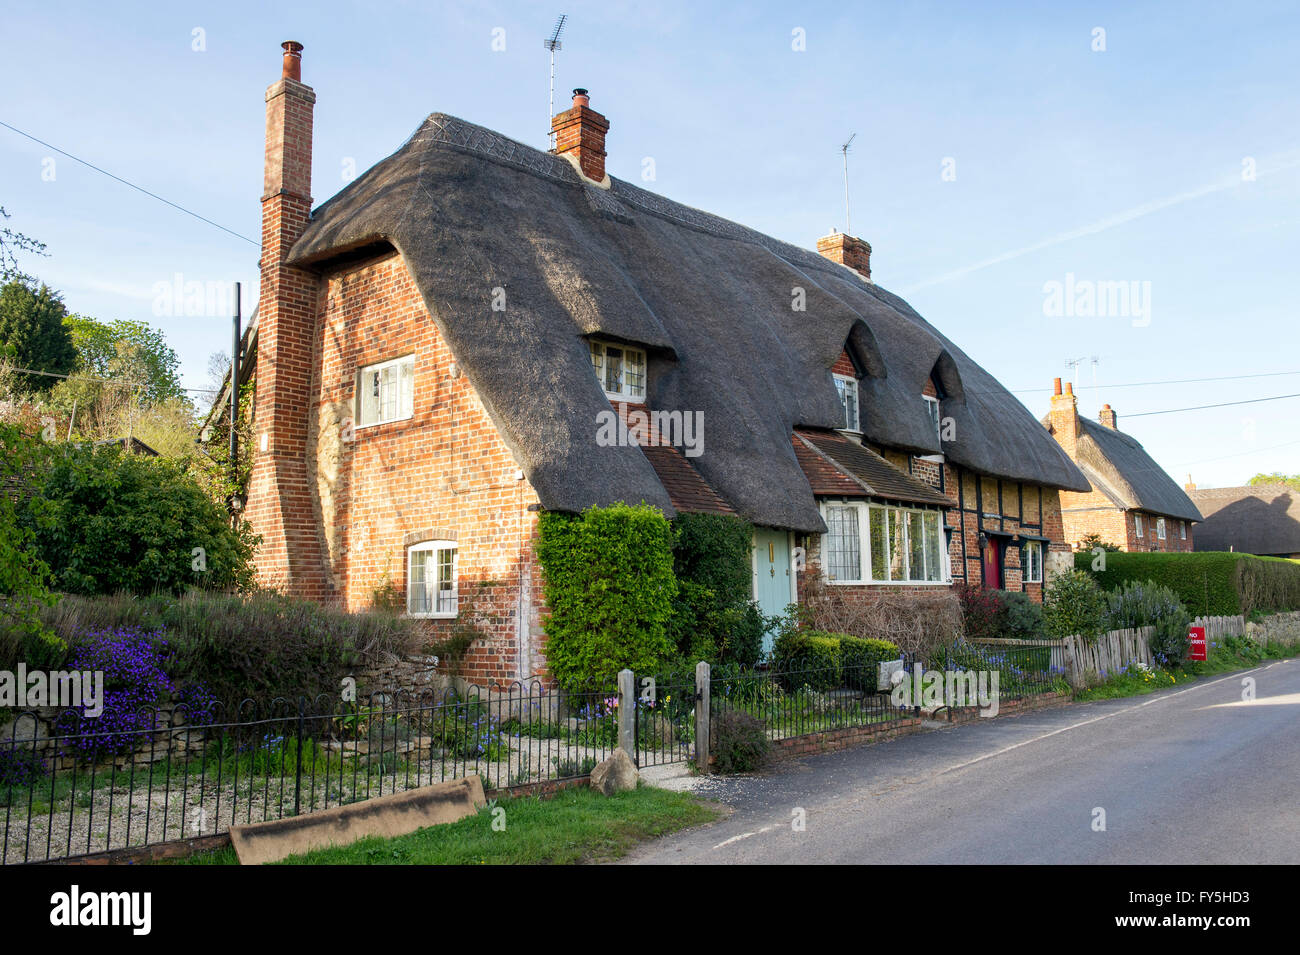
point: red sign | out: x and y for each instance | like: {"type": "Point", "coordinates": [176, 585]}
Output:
{"type": "Point", "coordinates": [1196, 637]}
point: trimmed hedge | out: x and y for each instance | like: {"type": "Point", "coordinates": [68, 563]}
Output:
{"type": "Point", "coordinates": [807, 658]}
{"type": "Point", "coordinates": [610, 587]}
{"type": "Point", "coordinates": [1209, 583]}
{"type": "Point", "coordinates": [861, 661]}
{"type": "Point", "coordinates": [834, 659]}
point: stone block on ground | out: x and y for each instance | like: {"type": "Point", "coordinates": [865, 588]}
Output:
{"type": "Point", "coordinates": [616, 774]}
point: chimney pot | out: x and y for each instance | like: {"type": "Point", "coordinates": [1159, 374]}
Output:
{"type": "Point", "coordinates": [1108, 417]}
{"type": "Point", "coordinates": [580, 133]}
{"type": "Point", "coordinates": [1056, 386]}
{"type": "Point", "coordinates": [292, 69]}
{"type": "Point", "coordinates": [1069, 387]}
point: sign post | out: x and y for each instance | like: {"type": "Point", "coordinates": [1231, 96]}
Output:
{"type": "Point", "coordinates": [1196, 637]}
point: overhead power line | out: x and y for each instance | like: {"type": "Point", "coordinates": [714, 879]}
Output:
{"type": "Point", "coordinates": [1171, 381]}
{"type": "Point", "coordinates": [127, 182]}
{"type": "Point", "coordinates": [1223, 404]}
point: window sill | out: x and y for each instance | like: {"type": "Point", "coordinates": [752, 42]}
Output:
{"type": "Point", "coordinates": [380, 424]}
{"type": "Point", "coordinates": [431, 616]}
{"type": "Point", "coordinates": [889, 583]}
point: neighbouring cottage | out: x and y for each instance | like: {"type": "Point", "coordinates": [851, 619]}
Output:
{"type": "Point", "coordinates": [475, 330]}
{"type": "Point", "coordinates": [1133, 504]}
{"type": "Point", "coordinates": [1261, 519]}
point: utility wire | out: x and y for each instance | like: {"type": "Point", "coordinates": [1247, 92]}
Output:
{"type": "Point", "coordinates": [79, 376]}
{"type": "Point", "coordinates": [1225, 404]}
{"type": "Point", "coordinates": [126, 182]}
{"type": "Point", "coordinates": [1173, 381]}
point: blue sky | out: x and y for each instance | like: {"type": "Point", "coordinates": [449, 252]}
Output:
{"type": "Point", "coordinates": [1131, 164]}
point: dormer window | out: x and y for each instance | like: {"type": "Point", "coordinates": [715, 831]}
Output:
{"type": "Point", "coordinates": [620, 370]}
{"type": "Point", "coordinates": [847, 386]}
{"type": "Point", "coordinates": [932, 409]}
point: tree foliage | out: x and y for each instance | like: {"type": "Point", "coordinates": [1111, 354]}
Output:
{"type": "Point", "coordinates": [32, 334]}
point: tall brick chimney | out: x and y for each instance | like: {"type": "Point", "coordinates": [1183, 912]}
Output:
{"type": "Point", "coordinates": [279, 502]}
{"type": "Point", "coordinates": [1064, 416]}
{"type": "Point", "coordinates": [847, 250]}
{"type": "Point", "coordinates": [1108, 417]}
{"type": "Point", "coordinates": [580, 133]}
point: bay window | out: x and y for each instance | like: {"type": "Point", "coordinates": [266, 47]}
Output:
{"type": "Point", "coordinates": [876, 543]}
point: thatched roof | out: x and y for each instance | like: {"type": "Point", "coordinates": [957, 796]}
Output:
{"type": "Point", "coordinates": [1118, 466]}
{"type": "Point", "coordinates": [1261, 519]}
{"type": "Point", "coordinates": [471, 211]}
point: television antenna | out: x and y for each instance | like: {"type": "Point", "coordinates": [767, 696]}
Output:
{"type": "Point", "coordinates": [1074, 363]}
{"type": "Point", "coordinates": [844, 149]}
{"type": "Point", "coordinates": [552, 43]}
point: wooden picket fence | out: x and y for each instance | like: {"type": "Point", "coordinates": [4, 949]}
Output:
{"type": "Point", "coordinates": [1082, 660]}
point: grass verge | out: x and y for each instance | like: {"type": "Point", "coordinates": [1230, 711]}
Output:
{"type": "Point", "coordinates": [572, 826]}
{"type": "Point", "coordinates": [1234, 653]}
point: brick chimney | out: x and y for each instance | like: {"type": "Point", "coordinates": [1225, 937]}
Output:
{"type": "Point", "coordinates": [1189, 487]}
{"type": "Point", "coordinates": [1108, 417]}
{"type": "Point", "coordinates": [279, 502]}
{"type": "Point", "coordinates": [580, 133]}
{"type": "Point", "coordinates": [847, 250]}
{"type": "Point", "coordinates": [1064, 417]}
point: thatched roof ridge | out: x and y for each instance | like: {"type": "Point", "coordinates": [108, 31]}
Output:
{"type": "Point", "coordinates": [472, 211]}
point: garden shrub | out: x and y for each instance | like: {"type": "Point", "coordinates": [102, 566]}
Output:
{"type": "Point", "coordinates": [1138, 603]}
{"type": "Point", "coordinates": [104, 521]}
{"type": "Point", "coordinates": [1169, 643]}
{"type": "Point", "coordinates": [915, 621]}
{"type": "Point", "coordinates": [807, 658]}
{"type": "Point", "coordinates": [861, 661]}
{"type": "Point", "coordinates": [738, 742]}
{"type": "Point", "coordinates": [1023, 617]}
{"type": "Point", "coordinates": [260, 646]}
{"type": "Point", "coordinates": [20, 767]}
{"type": "Point", "coordinates": [983, 612]}
{"type": "Point", "coordinates": [1210, 583]}
{"type": "Point", "coordinates": [24, 577]}
{"type": "Point", "coordinates": [1074, 605]}
{"type": "Point", "coordinates": [610, 588]}
{"type": "Point", "coordinates": [714, 616]}
{"type": "Point", "coordinates": [135, 686]}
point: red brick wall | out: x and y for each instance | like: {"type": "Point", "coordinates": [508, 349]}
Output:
{"type": "Point", "coordinates": [444, 473]}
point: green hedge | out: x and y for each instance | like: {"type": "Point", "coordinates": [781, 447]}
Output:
{"type": "Point", "coordinates": [828, 661]}
{"type": "Point", "coordinates": [861, 661]}
{"type": "Point", "coordinates": [1209, 583]}
{"type": "Point", "coordinates": [714, 615]}
{"type": "Point", "coordinates": [610, 588]}
{"type": "Point", "coordinates": [807, 658]}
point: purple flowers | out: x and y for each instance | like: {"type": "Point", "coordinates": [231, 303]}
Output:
{"type": "Point", "coordinates": [135, 686]}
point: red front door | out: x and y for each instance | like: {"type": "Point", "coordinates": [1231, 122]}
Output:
{"type": "Point", "coordinates": [993, 563]}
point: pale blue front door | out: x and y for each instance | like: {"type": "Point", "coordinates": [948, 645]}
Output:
{"type": "Point", "coordinates": [772, 574]}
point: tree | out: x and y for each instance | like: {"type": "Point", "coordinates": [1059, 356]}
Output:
{"type": "Point", "coordinates": [32, 334]}
{"type": "Point", "coordinates": [104, 520]}
{"type": "Point", "coordinates": [11, 244]}
{"type": "Point", "coordinates": [126, 349]}
{"type": "Point", "coordinates": [1277, 477]}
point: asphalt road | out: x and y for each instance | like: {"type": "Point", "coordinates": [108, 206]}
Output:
{"type": "Point", "coordinates": [1188, 775]}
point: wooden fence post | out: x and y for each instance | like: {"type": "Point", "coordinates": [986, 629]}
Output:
{"type": "Point", "coordinates": [703, 675]}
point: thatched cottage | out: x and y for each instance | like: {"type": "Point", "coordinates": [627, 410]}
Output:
{"type": "Point", "coordinates": [475, 330]}
{"type": "Point", "coordinates": [1133, 502]}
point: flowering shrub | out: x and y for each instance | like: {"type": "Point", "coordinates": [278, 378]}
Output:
{"type": "Point", "coordinates": [19, 768]}
{"type": "Point", "coordinates": [135, 685]}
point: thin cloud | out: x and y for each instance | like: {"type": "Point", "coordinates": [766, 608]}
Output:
{"type": "Point", "coordinates": [1267, 167]}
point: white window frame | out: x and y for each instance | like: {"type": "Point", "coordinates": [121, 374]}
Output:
{"type": "Point", "coordinates": [1182, 530]}
{"type": "Point", "coordinates": [932, 407]}
{"type": "Point", "coordinates": [625, 392]}
{"type": "Point", "coordinates": [435, 548]}
{"type": "Point", "coordinates": [404, 404]}
{"type": "Point", "coordinates": [1138, 529]}
{"type": "Point", "coordinates": [1160, 528]}
{"type": "Point", "coordinates": [864, 509]}
{"type": "Point", "coordinates": [1031, 567]}
{"type": "Point", "coordinates": [849, 381]}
